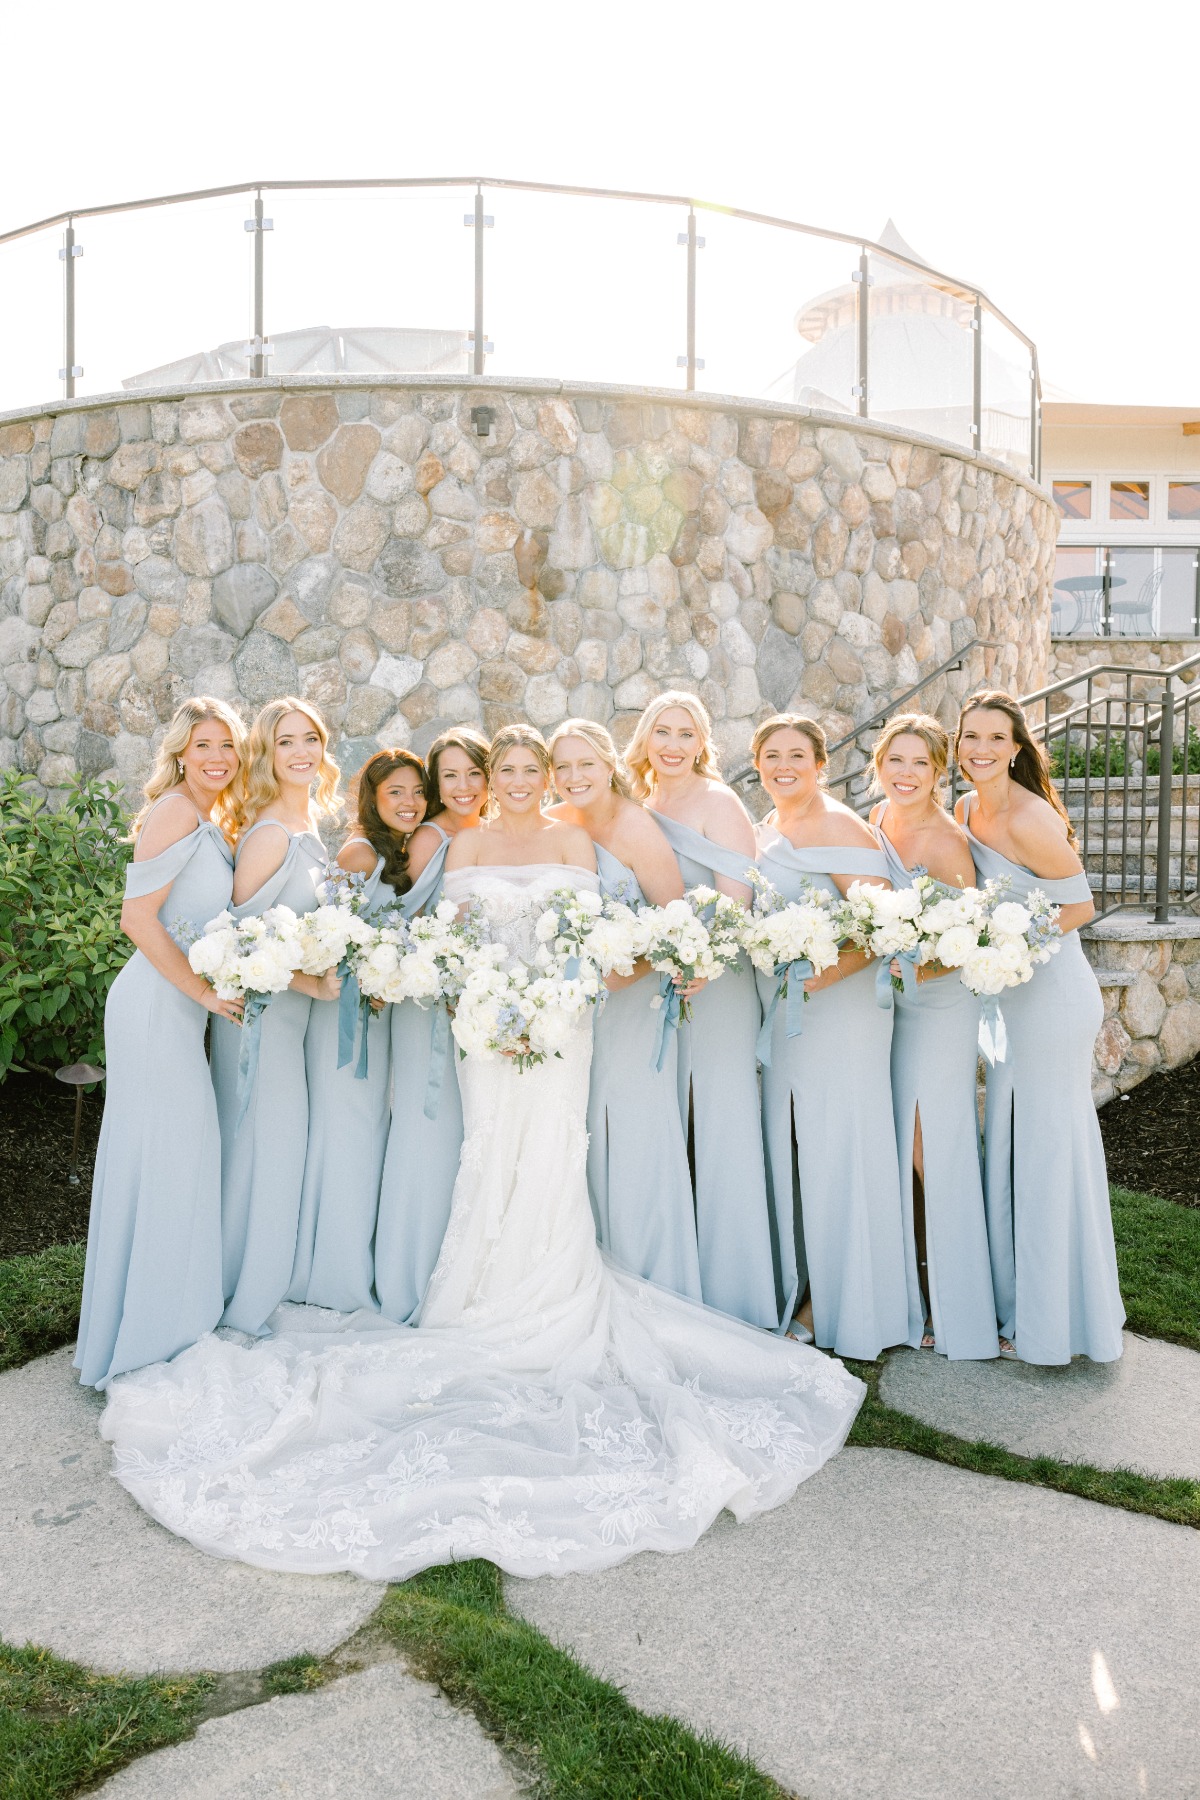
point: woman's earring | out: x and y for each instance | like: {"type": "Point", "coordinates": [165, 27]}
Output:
{"type": "Point", "coordinates": [1012, 762]}
{"type": "Point", "coordinates": [178, 769]}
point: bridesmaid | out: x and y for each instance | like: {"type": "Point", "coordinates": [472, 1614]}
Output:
{"type": "Point", "coordinates": [935, 1053]}
{"type": "Point", "coordinates": [280, 862]}
{"type": "Point", "coordinates": [348, 1118]}
{"type": "Point", "coordinates": [1054, 1264]}
{"type": "Point", "coordinates": [422, 1153]}
{"type": "Point", "coordinates": [827, 1094]}
{"type": "Point", "coordinates": [638, 1178]}
{"type": "Point", "coordinates": [671, 759]}
{"type": "Point", "coordinates": [152, 1282]}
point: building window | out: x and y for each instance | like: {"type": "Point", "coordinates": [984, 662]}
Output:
{"type": "Point", "coordinates": [1073, 499]}
{"type": "Point", "coordinates": [1183, 500]}
{"type": "Point", "coordinates": [1129, 499]}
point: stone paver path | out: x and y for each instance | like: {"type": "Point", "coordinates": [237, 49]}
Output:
{"type": "Point", "coordinates": [1141, 1412]}
{"type": "Point", "coordinates": [90, 1576]}
{"type": "Point", "coordinates": [380, 1735]}
{"type": "Point", "coordinates": [902, 1628]}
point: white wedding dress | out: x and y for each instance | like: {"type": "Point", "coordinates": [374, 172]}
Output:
{"type": "Point", "coordinates": [546, 1411]}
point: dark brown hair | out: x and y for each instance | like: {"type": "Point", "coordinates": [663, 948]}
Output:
{"type": "Point", "coordinates": [459, 737]}
{"type": "Point", "coordinates": [390, 844]}
{"type": "Point", "coordinates": [1029, 769]}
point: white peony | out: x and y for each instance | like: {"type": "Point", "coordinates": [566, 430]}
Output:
{"type": "Point", "coordinates": [1011, 919]}
{"type": "Point", "coordinates": [954, 946]}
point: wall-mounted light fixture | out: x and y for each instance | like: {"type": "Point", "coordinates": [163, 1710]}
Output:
{"type": "Point", "coordinates": [483, 418]}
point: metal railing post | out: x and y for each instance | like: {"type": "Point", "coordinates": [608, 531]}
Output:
{"type": "Point", "coordinates": [691, 362]}
{"type": "Point", "coordinates": [259, 367]}
{"type": "Point", "coordinates": [67, 255]}
{"type": "Point", "coordinates": [977, 378]}
{"type": "Point", "coordinates": [863, 278]}
{"type": "Point", "coordinates": [1166, 757]}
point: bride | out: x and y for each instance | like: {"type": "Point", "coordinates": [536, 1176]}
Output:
{"type": "Point", "coordinates": [545, 1410]}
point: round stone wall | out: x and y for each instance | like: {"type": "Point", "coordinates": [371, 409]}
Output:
{"type": "Point", "coordinates": [413, 552]}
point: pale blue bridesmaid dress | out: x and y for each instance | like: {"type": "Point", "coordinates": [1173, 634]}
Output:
{"type": "Point", "coordinates": [152, 1282]}
{"type": "Point", "coordinates": [348, 1122]}
{"type": "Point", "coordinates": [742, 1271]}
{"type": "Point", "coordinates": [1054, 1264]}
{"type": "Point", "coordinates": [421, 1162]}
{"type": "Point", "coordinates": [638, 1176]}
{"type": "Point", "coordinates": [830, 1137]}
{"type": "Point", "coordinates": [935, 1055]}
{"type": "Point", "coordinates": [262, 1159]}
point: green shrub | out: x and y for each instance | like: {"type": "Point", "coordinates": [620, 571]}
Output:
{"type": "Point", "coordinates": [62, 880]}
{"type": "Point", "coordinates": [1111, 751]}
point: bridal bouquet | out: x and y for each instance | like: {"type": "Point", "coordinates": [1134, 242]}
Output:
{"type": "Point", "coordinates": [693, 939]}
{"type": "Point", "coordinates": [254, 958]}
{"type": "Point", "coordinates": [791, 940]}
{"type": "Point", "coordinates": [514, 1013]}
{"type": "Point", "coordinates": [337, 935]}
{"type": "Point", "coordinates": [581, 933]}
{"type": "Point", "coordinates": [997, 946]}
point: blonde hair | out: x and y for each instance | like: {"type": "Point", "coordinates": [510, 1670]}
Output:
{"type": "Point", "coordinates": [601, 742]}
{"type": "Point", "coordinates": [790, 721]}
{"type": "Point", "coordinates": [167, 772]}
{"type": "Point", "coordinates": [933, 735]}
{"type": "Point", "coordinates": [260, 787]}
{"type": "Point", "coordinates": [509, 736]}
{"type": "Point", "coordinates": [637, 752]}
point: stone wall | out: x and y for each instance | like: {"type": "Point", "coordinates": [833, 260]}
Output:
{"type": "Point", "coordinates": [1075, 656]}
{"type": "Point", "coordinates": [367, 546]}
{"type": "Point", "coordinates": [1150, 977]}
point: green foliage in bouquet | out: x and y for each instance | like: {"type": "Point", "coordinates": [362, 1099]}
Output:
{"type": "Point", "coordinates": [62, 880]}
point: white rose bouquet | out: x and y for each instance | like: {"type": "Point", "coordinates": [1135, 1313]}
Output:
{"type": "Point", "coordinates": [693, 939]}
{"type": "Point", "coordinates": [790, 940]}
{"type": "Point", "coordinates": [254, 958]}
{"type": "Point", "coordinates": [998, 949]}
{"type": "Point", "coordinates": [906, 926]}
{"type": "Point", "coordinates": [564, 932]}
{"type": "Point", "coordinates": [337, 935]}
{"type": "Point", "coordinates": [515, 1013]}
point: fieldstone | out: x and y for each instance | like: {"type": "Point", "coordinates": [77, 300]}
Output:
{"type": "Point", "coordinates": [1179, 1035]}
{"type": "Point", "coordinates": [536, 499]}
{"type": "Point", "coordinates": [203, 419]}
{"type": "Point", "coordinates": [389, 478]}
{"type": "Point", "coordinates": [349, 601]}
{"type": "Point", "coordinates": [558, 425]}
{"type": "Point", "coordinates": [1143, 1007]}
{"type": "Point", "coordinates": [257, 448]}
{"type": "Point", "coordinates": [106, 676]}
{"type": "Point", "coordinates": [546, 700]}
{"type": "Point", "coordinates": [450, 664]}
{"type": "Point", "coordinates": [366, 709]}
{"type": "Point", "coordinates": [502, 681]}
{"type": "Point", "coordinates": [265, 668]}
{"type": "Point", "coordinates": [358, 654]}
{"type": "Point", "coordinates": [131, 464]}
{"type": "Point", "coordinates": [241, 593]}
{"type": "Point", "coordinates": [323, 683]}
{"type": "Point", "coordinates": [636, 693]}
{"type": "Point", "coordinates": [41, 708]}
{"type": "Point", "coordinates": [127, 622]}
{"type": "Point", "coordinates": [93, 753]}
{"type": "Point", "coordinates": [204, 539]}
{"type": "Point", "coordinates": [149, 656]}
{"type": "Point", "coordinates": [308, 419]}
{"type": "Point", "coordinates": [428, 472]}
{"type": "Point", "coordinates": [361, 535]}
{"type": "Point", "coordinates": [83, 644]}
{"type": "Point", "coordinates": [283, 620]}
{"type": "Point", "coordinates": [18, 640]}
{"type": "Point", "coordinates": [115, 578]}
{"type": "Point", "coordinates": [391, 623]}
{"type": "Point", "coordinates": [316, 644]}
{"type": "Point", "coordinates": [405, 569]}
{"type": "Point", "coordinates": [194, 646]}
{"type": "Point", "coordinates": [343, 463]}
{"type": "Point", "coordinates": [400, 675]}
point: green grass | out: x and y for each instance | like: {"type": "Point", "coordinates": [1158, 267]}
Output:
{"type": "Point", "coordinates": [1158, 1254]}
{"type": "Point", "coordinates": [63, 1727]}
{"type": "Point", "coordinates": [39, 1302]}
{"type": "Point", "coordinates": [580, 1735]}
{"type": "Point", "coordinates": [296, 1675]}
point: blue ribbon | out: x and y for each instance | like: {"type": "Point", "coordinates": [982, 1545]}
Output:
{"type": "Point", "coordinates": [571, 968]}
{"type": "Point", "coordinates": [792, 978]}
{"type": "Point", "coordinates": [885, 993]}
{"type": "Point", "coordinates": [669, 1014]}
{"type": "Point", "coordinates": [993, 1034]}
{"type": "Point", "coordinates": [438, 1051]}
{"type": "Point", "coordinates": [353, 1009]}
{"type": "Point", "coordinates": [248, 1048]}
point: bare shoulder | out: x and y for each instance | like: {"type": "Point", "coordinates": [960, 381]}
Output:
{"type": "Point", "coordinates": [843, 827]}
{"type": "Point", "coordinates": [960, 810]}
{"type": "Point", "coordinates": [357, 857]}
{"type": "Point", "coordinates": [465, 849]}
{"type": "Point", "coordinates": [876, 813]}
{"type": "Point", "coordinates": [174, 818]}
{"type": "Point", "coordinates": [574, 844]}
{"type": "Point", "coordinates": [637, 825]}
{"type": "Point", "coordinates": [1039, 835]}
{"type": "Point", "coordinates": [726, 820]}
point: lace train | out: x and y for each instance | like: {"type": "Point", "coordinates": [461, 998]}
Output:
{"type": "Point", "coordinates": [547, 1412]}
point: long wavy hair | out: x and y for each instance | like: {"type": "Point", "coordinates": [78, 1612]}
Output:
{"type": "Point", "coordinates": [472, 743]}
{"type": "Point", "coordinates": [167, 772]}
{"type": "Point", "coordinates": [392, 845]}
{"type": "Point", "coordinates": [601, 742]}
{"type": "Point", "coordinates": [637, 751]}
{"type": "Point", "coordinates": [1030, 768]}
{"type": "Point", "coordinates": [259, 786]}
{"type": "Point", "coordinates": [933, 735]}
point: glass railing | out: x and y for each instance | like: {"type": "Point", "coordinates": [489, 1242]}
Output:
{"type": "Point", "coordinates": [509, 279]}
{"type": "Point", "coordinates": [1126, 590]}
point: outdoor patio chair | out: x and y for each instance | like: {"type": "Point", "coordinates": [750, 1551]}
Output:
{"type": "Point", "coordinates": [1138, 607]}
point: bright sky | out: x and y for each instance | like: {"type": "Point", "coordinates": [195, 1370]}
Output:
{"type": "Point", "coordinates": [1042, 149]}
